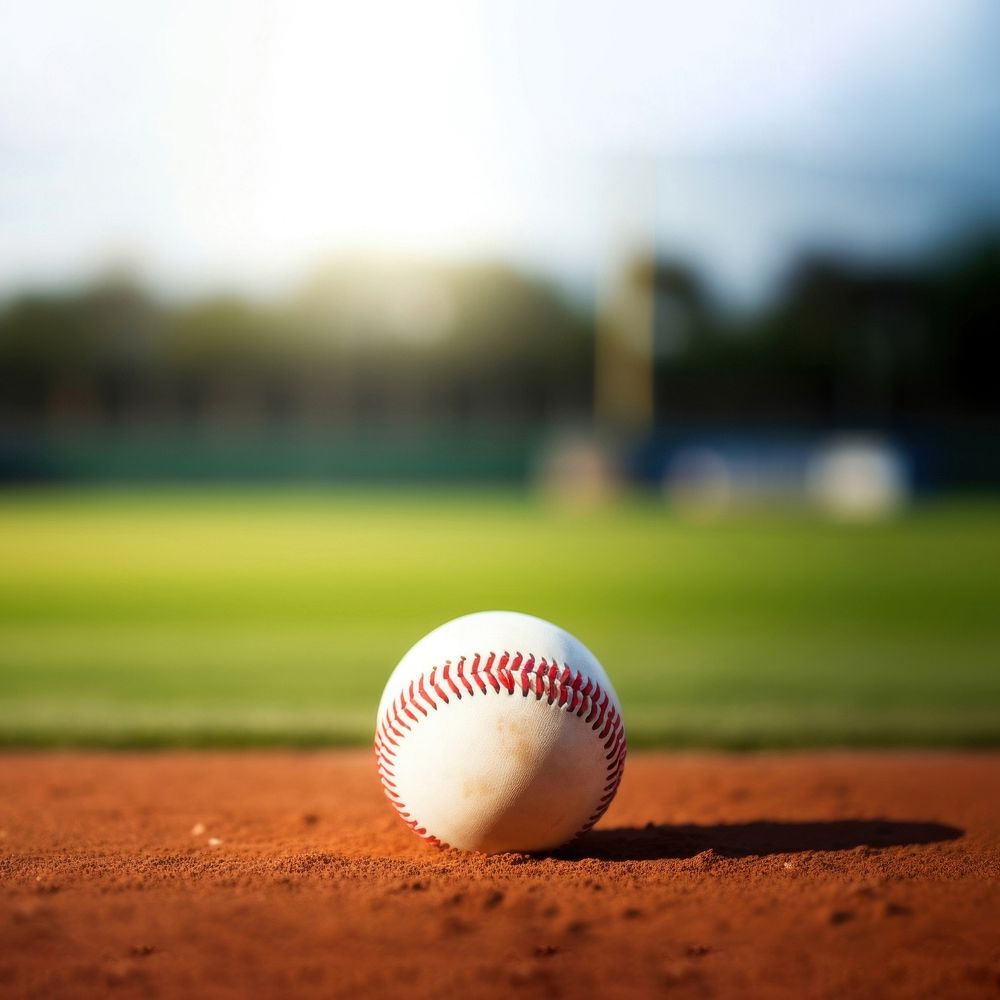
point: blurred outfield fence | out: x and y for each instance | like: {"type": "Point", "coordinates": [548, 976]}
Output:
{"type": "Point", "coordinates": [934, 459]}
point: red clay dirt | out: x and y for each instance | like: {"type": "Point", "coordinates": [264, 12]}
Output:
{"type": "Point", "coordinates": [286, 874]}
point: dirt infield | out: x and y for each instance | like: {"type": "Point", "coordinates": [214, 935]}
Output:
{"type": "Point", "coordinates": [287, 874]}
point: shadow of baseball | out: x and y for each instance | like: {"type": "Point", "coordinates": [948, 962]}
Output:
{"type": "Point", "coordinates": [756, 839]}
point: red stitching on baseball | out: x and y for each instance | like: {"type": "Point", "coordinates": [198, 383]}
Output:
{"type": "Point", "coordinates": [423, 694]}
{"type": "Point", "coordinates": [525, 672]}
{"type": "Point", "coordinates": [565, 687]}
{"type": "Point", "coordinates": [462, 677]}
{"type": "Point", "coordinates": [551, 674]}
{"type": "Point", "coordinates": [504, 675]}
{"type": "Point", "coordinates": [446, 674]}
{"type": "Point", "coordinates": [437, 686]}
{"type": "Point", "coordinates": [488, 668]}
{"type": "Point", "coordinates": [412, 701]}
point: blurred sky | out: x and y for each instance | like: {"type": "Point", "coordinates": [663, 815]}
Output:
{"type": "Point", "coordinates": [238, 142]}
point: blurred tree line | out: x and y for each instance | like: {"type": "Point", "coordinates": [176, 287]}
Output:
{"type": "Point", "coordinates": [843, 344]}
{"type": "Point", "coordinates": [360, 344]}
{"type": "Point", "coordinates": [368, 344]}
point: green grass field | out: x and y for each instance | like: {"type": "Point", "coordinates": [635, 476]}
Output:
{"type": "Point", "coordinates": [151, 618]}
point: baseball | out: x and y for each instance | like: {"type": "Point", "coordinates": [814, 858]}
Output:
{"type": "Point", "coordinates": [497, 732]}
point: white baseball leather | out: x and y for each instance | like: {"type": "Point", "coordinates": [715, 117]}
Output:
{"type": "Point", "coordinates": [499, 731]}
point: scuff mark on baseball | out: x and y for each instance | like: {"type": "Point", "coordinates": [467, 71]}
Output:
{"type": "Point", "coordinates": [497, 732]}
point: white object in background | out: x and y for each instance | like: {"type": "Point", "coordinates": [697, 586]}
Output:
{"type": "Point", "coordinates": [858, 479]}
{"type": "Point", "coordinates": [699, 483]}
{"type": "Point", "coordinates": [499, 731]}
